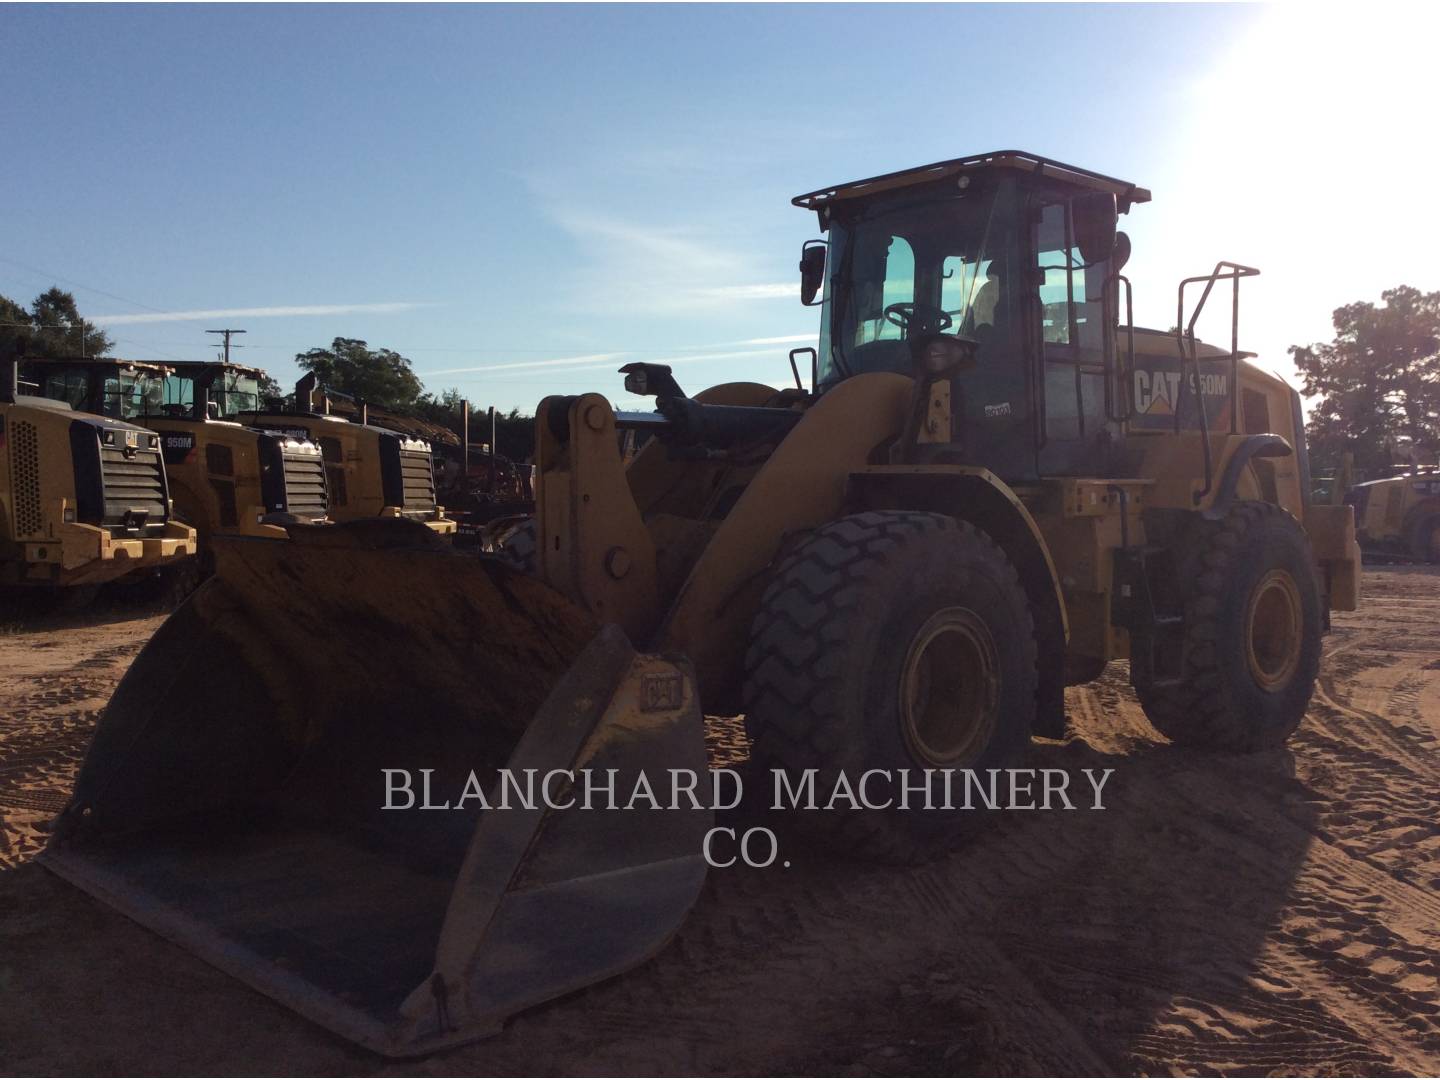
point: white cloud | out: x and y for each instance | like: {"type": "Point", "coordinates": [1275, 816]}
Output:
{"type": "Point", "coordinates": [787, 291]}
{"type": "Point", "coordinates": [253, 313]}
{"type": "Point", "coordinates": [565, 365]}
{"type": "Point", "coordinates": [589, 360]}
{"type": "Point", "coordinates": [788, 339]}
{"type": "Point", "coordinates": [634, 267]}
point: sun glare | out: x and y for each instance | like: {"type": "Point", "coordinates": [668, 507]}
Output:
{"type": "Point", "coordinates": [1308, 152]}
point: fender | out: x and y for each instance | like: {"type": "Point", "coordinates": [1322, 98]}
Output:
{"type": "Point", "coordinates": [1251, 446]}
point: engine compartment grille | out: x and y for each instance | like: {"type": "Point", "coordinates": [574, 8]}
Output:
{"type": "Point", "coordinates": [133, 484]}
{"type": "Point", "coordinates": [25, 470]}
{"type": "Point", "coordinates": [305, 485]}
{"type": "Point", "coordinates": [417, 479]}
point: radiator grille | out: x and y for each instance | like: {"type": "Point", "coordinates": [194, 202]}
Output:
{"type": "Point", "coordinates": [132, 484]}
{"type": "Point", "coordinates": [25, 468]}
{"type": "Point", "coordinates": [305, 485]}
{"type": "Point", "coordinates": [417, 478]}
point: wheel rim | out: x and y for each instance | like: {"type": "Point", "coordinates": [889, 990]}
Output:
{"type": "Point", "coordinates": [1273, 630]}
{"type": "Point", "coordinates": [949, 688]}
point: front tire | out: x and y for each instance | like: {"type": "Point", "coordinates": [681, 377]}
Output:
{"type": "Point", "coordinates": [1251, 646]}
{"type": "Point", "coordinates": [1425, 539]}
{"type": "Point", "coordinates": [890, 640]}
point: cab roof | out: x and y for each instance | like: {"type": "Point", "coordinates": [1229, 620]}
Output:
{"type": "Point", "coordinates": [1056, 172]}
{"type": "Point", "coordinates": [99, 362]}
{"type": "Point", "coordinates": [191, 367]}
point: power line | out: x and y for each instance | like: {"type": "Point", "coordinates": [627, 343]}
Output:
{"type": "Point", "coordinates": [78, 285]}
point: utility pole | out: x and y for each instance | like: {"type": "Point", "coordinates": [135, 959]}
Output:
{"type": "Point", "coordinates": [465, 438]}
{"type": "Point", "coordinates": [492, 450]}
{"type": "Point", "coordinates": [227, 334]}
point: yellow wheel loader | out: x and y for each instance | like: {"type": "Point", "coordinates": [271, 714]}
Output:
{"type": "Point", "coordinates": [994, 485]}
{"type": "Point", "coordinates": [225, 479]}
{"type": "Point", "coordinates": [371, 470]}
{"type": "Point", "coordinates": [83, 498]}
{"type": "Point", "coordinates": [1400, 515]}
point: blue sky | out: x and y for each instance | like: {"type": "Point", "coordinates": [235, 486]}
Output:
{"type": "Point", "coordinates": [521, 198]}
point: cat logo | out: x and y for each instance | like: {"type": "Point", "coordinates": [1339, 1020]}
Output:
{"type": "Point", "coordinates": [661, 691]}
{"type": "Point", "coordinates": [1156, 391]}
{"type": "Point", "coordinates": [132, 440]}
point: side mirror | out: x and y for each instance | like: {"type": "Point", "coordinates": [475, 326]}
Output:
{"type": "Point", "coordinates": [1096, 217]}
{"type": "Point", "coordinates": [812, 271]}
{"type": "Point", "coordinates": [1121, 255]}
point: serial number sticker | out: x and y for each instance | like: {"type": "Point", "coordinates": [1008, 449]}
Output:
{"type": "Point", "coordinates": [661, 691]}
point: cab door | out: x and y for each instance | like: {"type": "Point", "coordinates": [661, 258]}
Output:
{"type": "Point", "coordinates": [1073, 330]}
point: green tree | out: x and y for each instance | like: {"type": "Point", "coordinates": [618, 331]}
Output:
{"type": "Point", "coordinates": [514, 431]}
{"type": "Point", "coordinates": [376, 376]}
{"type": "Point", "coordinates": [51, 327]}
{"type": "Point", "coordinates": [1378, 381]}
{"type": "Point", "coordinates": [270, 390]}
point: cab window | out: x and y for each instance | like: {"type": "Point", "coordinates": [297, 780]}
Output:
{"type": "Point", "coordinates": [66, 386]}
{"type": "Point", "coordinates": [1073, 337]}
{"type": "Point", "coordinates": [895, 284]}
{"type": "Point", "coordinates": [179, 396]}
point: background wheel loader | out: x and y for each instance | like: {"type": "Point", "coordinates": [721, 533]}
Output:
{"type": "Point", "coordinates": [225, 479]}
{"type": "Point", "coordinates": [994, 486]}
{"type": "Point", "coordinates": [84, 499]}
{"type": "Point", "coordinates": [371, 470]}
{"type": "Point", "coordinates": [1400, 515]}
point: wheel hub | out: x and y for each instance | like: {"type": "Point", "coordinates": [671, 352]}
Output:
{"type": "Point", "coordinates": [1273, 630]}
{"type": "Point", "coordinates": [949, 688]}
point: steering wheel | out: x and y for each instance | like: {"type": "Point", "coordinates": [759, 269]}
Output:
{"type": "Point", "coordinates": [917, 318]}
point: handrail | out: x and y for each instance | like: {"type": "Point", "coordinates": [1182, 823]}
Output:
{"type": "Point", "coordinates": [1236, 271]}
{"type": "Point", "coordinates": [1122, 389]}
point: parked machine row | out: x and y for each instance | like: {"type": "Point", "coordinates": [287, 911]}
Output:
{"type": "Point", "coordinates": [186, 453]}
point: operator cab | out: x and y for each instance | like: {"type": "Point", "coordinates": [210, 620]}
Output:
{"type": "Point", "coordinates": [207, 391]}
{"type": "Point", "coordinates": [1009, 263]}
{"type": "Point", "coordinates": [113, 388]}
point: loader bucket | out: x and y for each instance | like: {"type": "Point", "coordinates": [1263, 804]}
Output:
{"type": "Point", "coordinates": [234, 797]}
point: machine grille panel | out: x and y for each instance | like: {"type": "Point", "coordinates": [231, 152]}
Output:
{"type": "Point", "coordinates": [418, 477]}
{"type": "Point", "coordinates": [25, 468]}
{"type": "Point", "coordinates": [305, 485]}
{"type": "Point", "coordinates": [133, 483]}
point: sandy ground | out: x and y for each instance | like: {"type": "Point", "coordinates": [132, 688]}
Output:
{"type": "Point", "coordinates": [1276, 913]}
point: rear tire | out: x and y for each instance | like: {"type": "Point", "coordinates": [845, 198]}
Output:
{"type": "Point", "coordinates": [1251, 647]}
{"type": "Point", "coordinates": [890, 640]}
